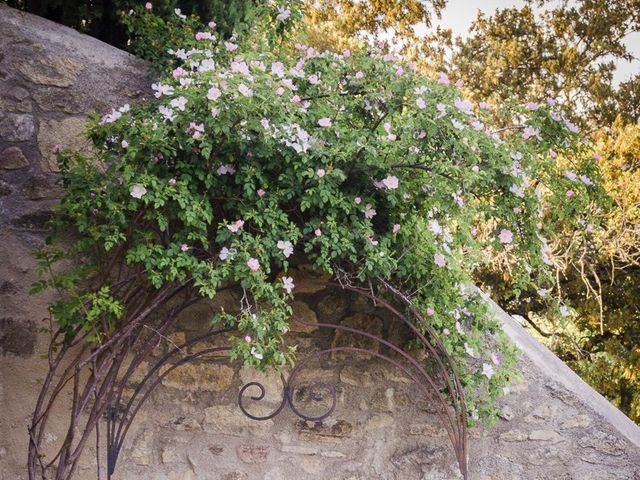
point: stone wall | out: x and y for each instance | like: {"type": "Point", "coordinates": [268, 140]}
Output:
{"type": "Point", "coordinates": [551, 425]}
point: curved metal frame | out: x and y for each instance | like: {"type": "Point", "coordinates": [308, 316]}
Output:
{"type": "Point", "coordinates": [451, 409]}
{"type": "Point", "coordinates": [120, 418]}
{"type": "Point", "coordinates": [443, 390]}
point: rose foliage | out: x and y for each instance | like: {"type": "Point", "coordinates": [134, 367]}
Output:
{"type": "Point", "coordinates": [257, 154]}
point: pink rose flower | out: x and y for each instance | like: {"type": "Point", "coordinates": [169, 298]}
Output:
{"type": "Point", "coordinates": [317, 232]}
{"type": "Point", "coordinates": [184, 247]}
{"type": "Point", "coordinates": [321, 172]}
{"type": "Point", "coordinates": [260, 192]}
{"type": "Point", "coordinates": [253, 264]}
{"type": "Point", "coordinates": [505, 236]}
{"type": "Point", "coordinates": [148, 6]}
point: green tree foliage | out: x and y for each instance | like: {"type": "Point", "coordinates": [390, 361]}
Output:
{"type": "Point", "coordinates": [334, 24]}
{"type": "Point", "coordinates": [101, 18]}
{"type": "Point", "coordinates": [568, 52]}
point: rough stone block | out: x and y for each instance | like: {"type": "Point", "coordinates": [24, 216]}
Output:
{"type": "Point", "coordinates": [16, 127]}
{"type": "Point", "coordinates": [229, 420]}
{"type": "Point", "coordinates": [56, 70]}
{"type": "Point", "coordinates": [12, 158]}
{"type": "Point", "coordinates": [195, 377]}
{"type": "Point", "coordinates": [68, 132]}
{"type": "Point", "coordinates": [17, 337]}
{"type": "Point", "coordinates": [303, 319]}
{"type": "Point", "coordinates": [299, 449]}
{"type": "Point", "coordinates": [359, 321]}
{"type": "Point", "coordinates": [335, 429]}
{"type": "Point", "coordinates": [252, 453]}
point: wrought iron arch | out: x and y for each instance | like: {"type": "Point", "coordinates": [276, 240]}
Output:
{"type": "Point", "coordinates": [441, 386]}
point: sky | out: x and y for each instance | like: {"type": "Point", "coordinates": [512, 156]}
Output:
{"type": "Point", "coordinates": [458, 16]}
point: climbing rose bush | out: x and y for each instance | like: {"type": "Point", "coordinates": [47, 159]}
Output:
{"type": "Point", "coordinates": [254, 156]}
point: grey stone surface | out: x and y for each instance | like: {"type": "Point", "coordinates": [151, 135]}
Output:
{"type": "Point", "coordinates": [12, 158]}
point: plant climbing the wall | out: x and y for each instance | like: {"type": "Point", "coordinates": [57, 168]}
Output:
{"type": "Point", "coordinates": [257, 153]}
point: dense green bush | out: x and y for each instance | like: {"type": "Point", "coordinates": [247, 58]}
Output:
{"type": "Point", "coordinates": [259, 151]}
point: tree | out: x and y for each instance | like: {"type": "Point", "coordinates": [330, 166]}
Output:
{"type": "Point", "coordinates": [101, 18]}
{"type": "Point", "coordinates": [335, 25]}
{"type": "Point", "coordinates": [567, 52]}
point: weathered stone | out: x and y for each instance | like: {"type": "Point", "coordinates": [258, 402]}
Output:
{"type": "Point", "coordinates": [603, 442]}
{"type": "Point", "coordinates": [359, 321]}
{"type": "Point", "coordinates": [513, 436]}
{"type": "Point", "coordinates": [201, 456]}
{"type": "Point", "coordinates": [576, 421]}
{"type": "Point", "coordinates": [304, 319]}
{"type": "Point", "coordinates": [8, 288]}
{"type": "Point", "coordinates": [235, 476]}
{"type": "Point", "coordinates": [561, 393]}
{"type": "Point", "coordinates": [307, 279]}
{"type": "Point", "coordinates": [299, 449]}
{"type": "Point", "coordinates": [229, 419]}
{"type": "Point", "coordinates": [17, 337]}
{"type": "Point", "coordinates": [170, 454]}
{"type": "Point", "coordinates": [19, 93]}
{"type": "Point", "coordinates": [378, 421]}
{"type": "Point", "coordinates": [496, 467]}
{"type": "Point", "coordinates": [199, 318]}
{"type": "Point", "coordinates": [68, 132]}
{"type": "Point", "coordinates": [194, 377]}
{"type": "Point", "coordinates": [332, 307]}
{"type": "Point", "coordinates": [546, 436]}
{"type": "Point", "coordinates": [17, 127]}
{"type": "Point", "coordinates": [182, 424]}
{"type": "Point", "coordinates": [12, 158]}
{"type": "Point", "coordinates": [36, 221]}
{"type": "Point", "coordinates": [506, 413]}
{"type": "Point", "coordinates": [542, 413]}
{"type": "Point", "coordinates": [252, 453]}
{"type": "Point", "coordinates": [140, 454]}
{"type": "Point", "coordinates": [384, 401]}
{"type": "Point", "coordinates": [216, 450]}
{"type": "Point", "coordinates": [58, 100]}
{"type": "Point", "coordinates": [431, 462]}
{"type": "Point", "coordinates": [547, 454]}
{"type": "Point", "coordinates": [355, 376]}
{"type": "Point", "coordinates": [180, 475]}
{"type": "Point", "coordinates": [5, 188]}
{"type": "Point", "coordinates": [138, 374]}
{"type": "Point", "coordinates": [311, 465]}
{"type": "Point", "coordinates": [332, 454]}
{"type": "Point", "coordinates": [39, 187]}
{"type": "Point", "coordinates": [56, 71]}
{"type": "Point", "coordinates": [335, 429]}
{"type": "Point", "coordinates": [393, 375]}
{"type": "Point", "coordinates": [309, 375]}
{"type": "Point", "coordinates": [271, 381]}
{"type": "Point", "coordinates": [426, 429]}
